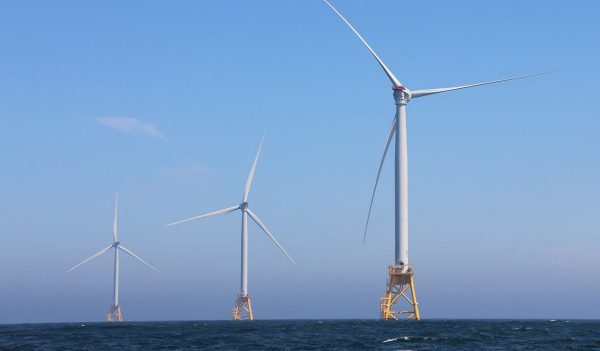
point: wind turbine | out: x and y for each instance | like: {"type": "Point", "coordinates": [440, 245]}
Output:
{"type": "Point", "coordinates": [243, 307]}
{"type": "Point", "coordinates": [115, 309]}
{"type": "Point", "coordinates": [401, 274]}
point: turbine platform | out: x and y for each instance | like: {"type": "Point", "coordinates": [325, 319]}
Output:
{"type": "Point", "coordinates": [395, 297]}
{"type": "Point", "coordinates": [243, 308]}
{"type": "Point", "coordinates": [114, 314]}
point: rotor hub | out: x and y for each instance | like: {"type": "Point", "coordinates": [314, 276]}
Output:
{"type": "Point", "coordinates": [401, 94]}
{"type": "Point", "coordinates": [244, 206]}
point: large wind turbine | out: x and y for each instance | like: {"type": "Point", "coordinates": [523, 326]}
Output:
{"type": "Point", "coordinates": [401, 274]}
{"type": "Point", "coordinates": [115, 309]}
{"type": "Point", "coordinates": [243, 307]}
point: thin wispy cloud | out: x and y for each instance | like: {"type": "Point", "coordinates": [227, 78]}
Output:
{"type": "Point", "coordinates": [130, 125]}
{"type": "Point", "coordinates": [187, 172]}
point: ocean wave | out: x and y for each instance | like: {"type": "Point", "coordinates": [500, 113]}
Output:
{"type": "Point", "coordinates": [403, 338]}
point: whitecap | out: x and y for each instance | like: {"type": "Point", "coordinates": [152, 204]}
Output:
{"type": "Point", "coordinates": [405, 338]}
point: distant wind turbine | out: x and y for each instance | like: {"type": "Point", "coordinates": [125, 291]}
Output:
{"type": "Point", "coordinates": [401, 273]}
{"type": "Point", "coordinates": [115, 309]}
{"type": "Point", "coordinates": [243, 306]}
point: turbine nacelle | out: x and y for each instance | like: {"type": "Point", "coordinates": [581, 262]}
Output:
{"type": "Point", "coordinates": [401, 94]}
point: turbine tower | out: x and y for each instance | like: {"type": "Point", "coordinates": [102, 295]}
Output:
{"type": "Point", "coordinates": [401, 273]}
{"type": "Point", "coordinates": [243, 307]}
{"type": "Point", "coordinates": [115, 309]}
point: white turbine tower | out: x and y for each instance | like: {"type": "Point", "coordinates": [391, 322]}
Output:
{"type": "Point", "coordinates": [115, 309]}
{"type": "Point", "coordinates": [401, 274]}
{"type": "Point", "coordinates": [243, 307]}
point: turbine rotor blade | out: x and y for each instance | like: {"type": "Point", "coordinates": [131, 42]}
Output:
{"type": "Point", "coordinates": [251, 175]}
{"type": "Point", "coordinates": [425, 92]}
{"type": "Point", "coordinates": [210, 214]}
{"type": "Point", "coordinates": [116, 219]}
{"type": "Point", "coordinates": [99, 253]}
{"type": "Point", "coordinates": [130, 253]}
{"type": "Point", "coordinates": [385, 150]}
{"type": "Point", "coordinates": [264, 228]}
{"type": "Point", "coordinates": [387, 71]}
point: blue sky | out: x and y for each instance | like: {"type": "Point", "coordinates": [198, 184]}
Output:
{"type": "Point", "coordinates": [166, 102]}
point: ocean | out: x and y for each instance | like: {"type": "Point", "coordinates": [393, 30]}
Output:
{"type": "Point", "coordinates": [306, 335]}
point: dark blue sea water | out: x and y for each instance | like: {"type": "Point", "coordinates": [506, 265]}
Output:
{"type": "Point", "coordinates": [306, 335]}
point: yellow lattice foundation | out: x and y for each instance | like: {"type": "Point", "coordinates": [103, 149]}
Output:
{"type": "Point", "coordinates": [114, 313]}
{"type": "Point", "coordinates": [243, 308]}
{"type": "Point", "coordinates": [395, 297]}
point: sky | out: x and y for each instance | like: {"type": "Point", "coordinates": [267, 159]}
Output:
{"type": "Point", "coordinates": [166, 102]}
